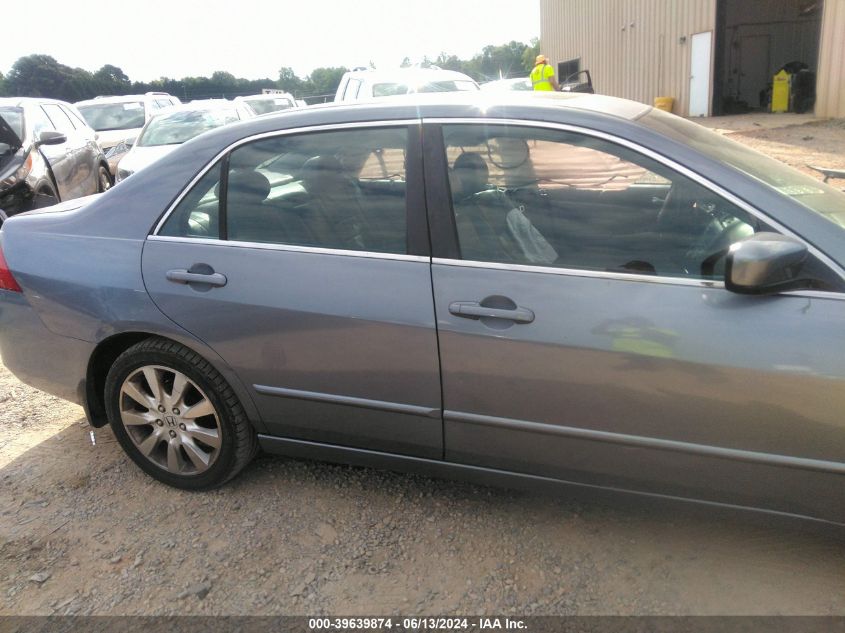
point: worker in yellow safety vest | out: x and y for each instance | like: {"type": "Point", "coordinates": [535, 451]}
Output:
{"type": "Point", "coordinates": [543, 75]}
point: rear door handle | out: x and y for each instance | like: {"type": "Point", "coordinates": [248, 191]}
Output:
{"type": "Point", "coordinates": [185, 277]}
{"type": "Point", "coordinates": [474, 310]}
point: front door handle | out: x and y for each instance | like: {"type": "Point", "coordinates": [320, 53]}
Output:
{"type": "Point", "coordinates": [187, 277]}
{"type": "Point", "coordinates": [475, 310]}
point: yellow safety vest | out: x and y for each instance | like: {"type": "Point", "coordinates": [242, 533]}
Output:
{"type": "Point", "coordinates": [540, 77]}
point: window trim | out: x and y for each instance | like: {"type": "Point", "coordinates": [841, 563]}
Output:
{"type": "Point", "coordinates": [416, 218]}
{"type": "Point", "coordinates": [268, 246]}
{"type": "Point", "coordinates": [438, 122]}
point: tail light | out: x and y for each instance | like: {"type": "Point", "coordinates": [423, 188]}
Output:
{"type": "Point", "coordinates": [7, 282]}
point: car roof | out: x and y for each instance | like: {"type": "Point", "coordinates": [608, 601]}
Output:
{"type": "Point", "coordinates": [19, 102]}
{"type": "Point", "coordinates": [428, 104]}
{"type": "Point", "coordinates": [115, 99]}
{"type": "Point", "coordinates": [274, 95]}
{"type": "Point", "coordinates": [407, 74]}
{"type": "Point", "coordinates": [199, 104]}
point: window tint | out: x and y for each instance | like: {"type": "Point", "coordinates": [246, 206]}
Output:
{"type": "Point", "coordinates": [551, 198]}
{"type": "Point", "coordinates": [198, 213]}
{"type": "Point", "coordinates": [60, 120]}
{"type": "Point", "coordinates": [338, 190]}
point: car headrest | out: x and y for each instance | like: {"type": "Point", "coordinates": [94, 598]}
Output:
{"type": "Point", "coordinates": [248, 184]}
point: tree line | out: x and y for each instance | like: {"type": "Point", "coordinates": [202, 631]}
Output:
{"type": "Point", "coordinates": [43, 76]}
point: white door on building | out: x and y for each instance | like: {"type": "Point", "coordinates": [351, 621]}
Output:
{"type": "Point", "coordinates": [700, 82]}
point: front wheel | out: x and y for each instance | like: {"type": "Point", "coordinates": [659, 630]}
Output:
{"type": "Point", "coordinates": [176, 416]}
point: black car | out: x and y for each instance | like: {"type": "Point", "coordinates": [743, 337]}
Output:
{"type": "Point", "coordinates": [47, 154]}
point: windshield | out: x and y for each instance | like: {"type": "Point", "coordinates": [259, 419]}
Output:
{"type": "Point", "coordinates": [179, 127]}
{"type": "Point", "coordinates": [804, 189]}
{"type": "Point", "coordinates": [14, 118]}
{"type": "Point", "coordinates": [128, 115]}
{"type": "Point", "coordinates": [271, 104]}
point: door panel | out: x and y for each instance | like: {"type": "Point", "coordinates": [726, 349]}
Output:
{"type": "Point", "coordinates": [608, 370]}
{"type": "Point", "coordinates": [316, 288]}
{"type": "Point", "coordinates": [316, 330]}
{"type": "Point", "coordinates": [67, 160]}
{"type": "Point", "coordinates": [648, 376]}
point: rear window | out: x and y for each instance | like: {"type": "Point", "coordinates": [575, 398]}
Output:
{"type": "Point", "coordinates": [179, 127]}
{"type": "Point", "coordinates": [127, 115]}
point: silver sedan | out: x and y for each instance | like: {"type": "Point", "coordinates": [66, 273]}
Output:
{"type": "Point", "coordinates": [544, 289]}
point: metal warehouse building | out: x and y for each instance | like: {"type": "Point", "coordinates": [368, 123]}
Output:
{"type": "Point", "coordinates": [711, 56]}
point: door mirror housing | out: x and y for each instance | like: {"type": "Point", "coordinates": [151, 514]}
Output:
{"type": "Point", "coordinates": [766, 263]}
{"type": "Point", "coordinates": [51, 137]}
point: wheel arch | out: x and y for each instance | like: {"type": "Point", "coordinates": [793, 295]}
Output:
{"type": "Point", "coordinates": [108, 350]}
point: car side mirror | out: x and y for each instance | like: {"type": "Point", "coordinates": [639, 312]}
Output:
{"type": "Point", "coordinates": [766, 263]}
{"type": "Point", "coordinates": [51, 137]}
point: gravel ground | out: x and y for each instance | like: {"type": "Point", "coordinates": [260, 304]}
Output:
{"type": "Point", "coordinates": [84, 531]}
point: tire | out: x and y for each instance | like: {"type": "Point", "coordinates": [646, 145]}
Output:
{"type": "Point", "coordinates": [104, 179]}
{"type": "Point", "coordinates": [182, 423]}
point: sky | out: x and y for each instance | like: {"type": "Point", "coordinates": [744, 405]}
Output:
{"type": "Point", "coordinates": [254, 38]}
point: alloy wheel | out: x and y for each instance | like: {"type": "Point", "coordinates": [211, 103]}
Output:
{"type": "Point", "coordinates": [170, 420]}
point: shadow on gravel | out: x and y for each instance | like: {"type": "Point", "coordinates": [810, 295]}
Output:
{"type": "Point", "coordinates": [85, 531]}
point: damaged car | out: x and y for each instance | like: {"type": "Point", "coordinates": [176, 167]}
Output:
{"type": "Point", "coordinates": [47, 154]}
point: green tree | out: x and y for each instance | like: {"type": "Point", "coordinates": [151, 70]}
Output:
{"type": "Point", "coordinates": [324, 81]}
{"type": "Point", "coordinates": [288, 80]}
{"type": "Point", "coordinates": [449, 62]}
{"type": "Point", "coordinates": [43, 76]}
{"type": "Point", "coordinates": [530, 54]}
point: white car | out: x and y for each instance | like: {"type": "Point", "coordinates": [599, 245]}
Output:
{"type": "Point", "coordinates": [119, 119]}
{"type": "Point", "coordinates": [268, 103]}
{"type": "Point", "coordinates": [365, 84]}
{"type": "Point", "coordinates": [176, 125]}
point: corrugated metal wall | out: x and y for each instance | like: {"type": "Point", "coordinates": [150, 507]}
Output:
{"type": "Point", "coordinates": [636, 49]}
{"type": "Point", "coordinates": [830, 89]}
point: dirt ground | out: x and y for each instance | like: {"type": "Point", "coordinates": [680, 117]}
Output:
{"type": "Point", "coordinates": [84, 531]}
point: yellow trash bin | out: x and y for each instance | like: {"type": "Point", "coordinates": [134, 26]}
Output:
{"type": "Point", "coordinates": [664, 103]}
{"type": "Point", "coordinates": [780, 92]}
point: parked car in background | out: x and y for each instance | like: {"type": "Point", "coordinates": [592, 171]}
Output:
{"type": "Point", "coordinates": [175, 125]}
{"type": "Point", "coordinates": [519, 83]}
{"type": "Point", "coordinates": [47, 154]}
{"type": "Point", "coordinates": [364, 84]}
{"type": "Point", "coordinates": [118, 120]}
{"type": "Point", "coordinates": [449, 285]}
{"type": "Point", "coordinates": [267, 103]}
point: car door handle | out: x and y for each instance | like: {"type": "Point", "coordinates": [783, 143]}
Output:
{"type": "Point", "coordinates": [474, 310]}
{"type": "Point", "coordinates": [186, 277]}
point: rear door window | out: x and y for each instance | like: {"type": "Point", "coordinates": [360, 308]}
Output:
{"type": "Point", "coordinates": [341, 190]}
{"type": "Point", "coordinates": [61, 121]}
